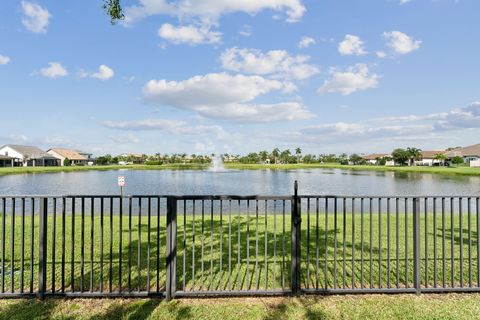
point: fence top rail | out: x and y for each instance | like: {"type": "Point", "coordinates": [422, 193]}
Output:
{"type": "Point", "coordinates": [388, 197]}
{"type": "Point", "coordinates": [241, 197]}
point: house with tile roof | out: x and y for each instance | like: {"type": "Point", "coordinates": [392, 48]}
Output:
{"type": "Point", "coordinates": [75, 157]}
{"type": "Point", "coordinates": [470, 154]}
{"type": "Point", "coordinates": [28, 156]}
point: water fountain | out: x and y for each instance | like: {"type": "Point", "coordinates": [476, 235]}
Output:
{"type": "Point", "coordinates": [217, 164]}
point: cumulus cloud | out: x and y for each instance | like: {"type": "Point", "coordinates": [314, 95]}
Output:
{"type": "Point", "coordinates": [54, 70]}
{"type": "Point", "coordinates": [400, 42]}
{"type": "Point", "coordinates": [125, 138]}
{"type": "Point", "coordinates": [190, 34]}
{"type": "Point", "coordinates": [355, 78]}
{"type": "Point", "coordinates": [351, 45]}
{"type": "Point", "coordinates": [224, 96]}
{"type": "Point", "coordinates": [381, 54]}
{"type": "Point", "coordinates": [246, 31]}
{"type": "Point", "coordinates": [209, 11]}
{"type": "Point", "coordinates": [4, 60]}
{"type": "Point", "coordinates": [460, 118]}
{"type": "Point", "coordinates": [277, 63]}
{"type": "Point", "coordinates": [306, 42]}
{"type": "Point", "coordinates": [167, 125]}
{"type": "Point", "coordinates": [104, 73]}
{"type": "Point", "coordinates": [35, 18]}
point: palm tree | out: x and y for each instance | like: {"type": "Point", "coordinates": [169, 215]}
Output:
{"type": "Point", "coordinates": [263, 155]}
{"type": "Point", "coordinates": [275, 154]}
{"type": "Point", "coordinates": [285, 155]}
{"type": "Point", "coordinates": [415, 155]}
{"type": "Point", "coordinates": [298, 153]}
{"type": "Point", "coordinates": [440, 157]}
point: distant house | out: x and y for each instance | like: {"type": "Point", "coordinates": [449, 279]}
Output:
{"type": "Point", "coordinates": [428, 158]}
{"type": "Point", "coordinates": [374, 157]}
{"type": "Point", "coordinates": [470, 154]}
{"type": "Point", "coordinates": [28, 156]}
{"type": "Point", "coordinates": [6, 161]}
{"type": "Point", "coordinates": [74, 156]}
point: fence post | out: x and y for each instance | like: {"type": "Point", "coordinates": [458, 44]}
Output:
{"type": "Point", "coordinates": [416, 245]}
{"type": "Point", "coordinates": [296, 222]}
{"type": "Point", "coordinates": [171, 281]}
{"type": "Point", "coordinates": [42, 247]}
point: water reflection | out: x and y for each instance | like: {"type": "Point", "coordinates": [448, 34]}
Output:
{"type": "Point", "coordinates": [241, 182]}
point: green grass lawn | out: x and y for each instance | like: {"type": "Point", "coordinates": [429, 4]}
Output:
{"type": "Point", "coordinates": [419, 169]}
{"type": "Point", "coordinates": [377, 307]}
{"type": "Point", "coordinates": [330, 257]}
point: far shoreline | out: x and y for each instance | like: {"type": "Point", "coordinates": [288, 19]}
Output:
{"type": "Point", "coordinates": [466, 171]}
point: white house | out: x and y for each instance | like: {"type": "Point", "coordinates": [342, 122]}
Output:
{"type": "Point", "coordinates": [428, 158]}
{"type": "Point", "coordinates": [74, 156]}
{"type": "Point", "coordinates": [28, 156]}
{"type": "Point", "coordinates": [470, 154]}
{"type": "Point", "coordinates": [374, 157]}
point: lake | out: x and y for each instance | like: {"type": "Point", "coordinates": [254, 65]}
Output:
{"type": "Point", "coordinates": [240, 182]}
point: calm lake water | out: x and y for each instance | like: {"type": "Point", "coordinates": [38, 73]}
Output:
{"type": "Point", "coordinates": [240, 182]}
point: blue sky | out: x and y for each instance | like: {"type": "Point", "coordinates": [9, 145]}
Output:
{"type": "Point", "coordinates": [239, 76]}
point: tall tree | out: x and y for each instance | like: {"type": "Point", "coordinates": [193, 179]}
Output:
{"type": "Point", "coordinates": [114, 10]}
{"type": "Point", "coordinates": [275, 154]}
{"type": "Point", "coordinates": [298, 153]}
{"type": "Point", "coordinates": [415, 155]}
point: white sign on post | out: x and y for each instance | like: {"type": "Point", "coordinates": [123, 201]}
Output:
{"type": "Point", "coordinates": [121, 181]}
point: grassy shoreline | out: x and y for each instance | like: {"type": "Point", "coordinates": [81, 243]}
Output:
{"type": "Point", "coordinates": [469, 171]}
{"type": "Point", "coordinates": [446, 306]}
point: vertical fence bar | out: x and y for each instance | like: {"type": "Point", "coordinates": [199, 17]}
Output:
{"type": "Point", "coordinates": [296, 238]}
{"type": "Point", "coordinates": [4, 208]}
{"type": "Point", "coordinates": [54, 237]}
{"type": "Point", "coordinates": [12, 249]}
{"type": "Point", "coordinates": [171, 247]}
{"type": "Point", "coordinates": [32, 240]}
{"type": "Point", "coordinates": [416, 245]}
{"type": "Point", "coordinates": [42, 249]}
{"type": "Point", "coordinates": [22, 258]}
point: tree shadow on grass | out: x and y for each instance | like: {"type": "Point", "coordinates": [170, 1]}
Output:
{"type": "Point", "coordinates": [132, 310]}
{"type": "Point", "coordinates": [29, 309]}
{"type": "Point", "coordinates": [283, 309]}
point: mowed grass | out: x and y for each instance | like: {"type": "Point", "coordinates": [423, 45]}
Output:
{"type": "Point", "coordinates": [461, 170]}
{"type": "Point", "coordinates": [447, 306]}
{"type": "Point", "coordinates": [241, 252]}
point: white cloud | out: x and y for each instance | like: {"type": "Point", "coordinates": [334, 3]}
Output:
{"type": "Point", "coordinates": [306, 42]}
{"type": "Point", "coordinates": [125, 138]}
{"type": "Point", "coordinates": [381, 54]}
{"type": "Point", "coordinates": [277, 63]}
{"type": "Point", "coordinates": [171, 126]}
{"type": "Point", "coordinates": [355, 78]}
{"type": "Point", "coordinates": [104, 73]}
{"type": "Point", "coordinates": [246, 31]}
{"type": "Point", "coordinates": [404, 1]}
{"type": "Point", "coordinates": [4, 60]}
{"type": "Point", "coordinates": [54, 70]}
{"type": "Point", "coordinates": [209, 11]}
{"type": "Point", "coordinates": [35, 18]}
{"type": "Point", "coordinates": [223, 96]}
{"type": "Point", "coordinates": [190, 34]}
{"type": "Point", "coordinates": [400, 42]}
{"type": "Point", "coordinates": [351, 45]}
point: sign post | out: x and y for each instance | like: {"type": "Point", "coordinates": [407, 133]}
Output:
{"type": "Point", "coordinates": [121, 184]}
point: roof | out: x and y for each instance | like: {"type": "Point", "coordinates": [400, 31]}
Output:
{"type": "Point", "coordinates": [473, 150]}
{"type": "Point", "coordinates": [431, 154]}
{"type": "Point", "coordinates": [30, 152]}
{"type": "Point", "coordinates": [375, 156]}
{"type": "Point", "coordinates": [5, 157]}
{"type": "Point", "coordinates": [68, 153]}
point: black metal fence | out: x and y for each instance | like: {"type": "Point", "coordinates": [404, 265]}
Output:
{"type": "Point", "coordinates": [179, 246]}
